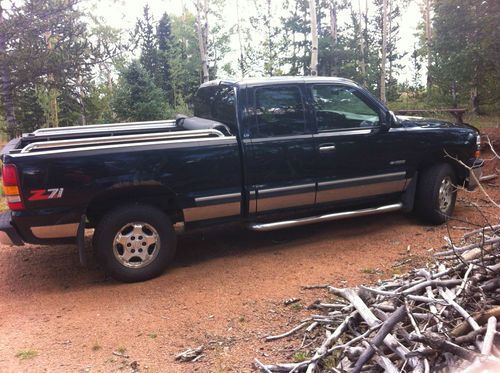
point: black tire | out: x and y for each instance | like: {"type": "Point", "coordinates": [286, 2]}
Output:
{"type": "Point", "coordinates": [430, 204]}
{"type": "Point", "coordinates": [144, 258]}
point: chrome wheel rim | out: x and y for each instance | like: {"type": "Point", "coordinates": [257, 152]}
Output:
{"type": "Point", "coordinates": [136, 245]}
{"type": "Point", "coordinates": [446, 191]}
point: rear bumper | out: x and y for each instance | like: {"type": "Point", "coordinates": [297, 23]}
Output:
{"type": "Point", "coordinates": [475, 174]}
{"type": "Point", "coordinates": [17, 228]}
{"type": "Point", "coordinates": [8, 234]}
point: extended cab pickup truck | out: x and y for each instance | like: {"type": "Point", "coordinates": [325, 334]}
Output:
{"type": "Point", "coordinates": [269, 154]}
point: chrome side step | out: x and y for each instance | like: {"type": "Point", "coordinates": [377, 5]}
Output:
{"type": "Point", "coordinates": [328, 217]}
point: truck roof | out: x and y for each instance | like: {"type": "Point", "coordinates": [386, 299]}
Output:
{"type": "Point", "coordinates": [279, 80]}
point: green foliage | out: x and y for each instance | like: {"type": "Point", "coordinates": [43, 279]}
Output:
{"type": "Point", "coordinates": [163, 75]}
{"type": "Point", "coordinates": [148, 42]}
{"type": "Point", "coordinates": [185, 59]}
{"type": "Point", "coordinates": [465, 49]}
{"type": "Point", "coordinates": [137, 97]}
{"type": "Point", "coordinates": [59, 63]}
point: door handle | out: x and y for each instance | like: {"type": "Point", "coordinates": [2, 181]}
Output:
{"type": "Point", "coordinates": [326, 148]}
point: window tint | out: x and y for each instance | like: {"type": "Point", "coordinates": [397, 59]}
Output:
{"type": "Point", "coordinates": [216, 103]}
{"type": "Point", "coordinates": [279, 112]}
{"type": "Point", "coordinates": [338, 107]}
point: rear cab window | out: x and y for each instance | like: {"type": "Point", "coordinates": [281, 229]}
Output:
{"type": "Point", "coordinates": [216, 103]}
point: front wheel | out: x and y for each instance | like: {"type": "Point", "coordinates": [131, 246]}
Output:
{"type": "Point", "coordinates": [436, 194]}
{"type": "Point", "coordinates": [135, 242]}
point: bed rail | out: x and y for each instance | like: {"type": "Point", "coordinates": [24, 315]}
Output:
{"type": "Point", "coordinates": [177, 135]}
{"type": "Point", "coordinates": [170, 123]}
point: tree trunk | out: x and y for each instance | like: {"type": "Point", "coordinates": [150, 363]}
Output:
{"type": "Point", "coordinates": [362, 61]}
{"type": "Point", "coordinates": [454, 93]}
{"type": "Point", "coordinates": [428, 41]}
{"type": "Point", "coordinates": [314, 38]}
{"type": "Point", "coordinates": [384, 51]}
{"type": "Point", "coordinates": [270, 46]}
{"type": "Point", "coordinates": [474, 100]}
{"type": "Point", "coordinates": [202, 29]}
{"type": "Point", "coordinates": [334, 35]}
{"type": "Point", "coordinates": [238, 30]}
{"type": "Point", "coordinates": [6, 88]}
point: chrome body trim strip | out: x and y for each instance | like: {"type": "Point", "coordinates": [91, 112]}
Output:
{"type": "Point", "coordinates": [322, 218]}
{"type": "Point", "coordinates": [218, 197]}
{"type": "Point", "coordinates": [55, 231]}
{"type": "Point", "coordinates": [280, 138]}
{"type": "Point", "coordinates": [343, 133]}
{"type": "Point", "coordinates": [364, 178]}
{"type": "Point", "coordinates": [120, 139]}
{"type": "Point", "coordinates": [216, 140]}
{"type": "Point", "coordinates": [286, 189]}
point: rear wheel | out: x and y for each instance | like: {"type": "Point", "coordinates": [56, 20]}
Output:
{"type": "Point", "coordinates": [135, 242]}
{"type": "Point", "coordinates": [436, 194]}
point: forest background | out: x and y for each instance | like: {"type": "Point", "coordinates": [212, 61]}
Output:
{"type": "Point", "coordinates": [63, 64]}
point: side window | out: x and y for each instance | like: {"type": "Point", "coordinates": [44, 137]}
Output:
{"type": "Point", "coordinates": [279, 111]}
{"type": "Point", "coordinates": [338, 107]}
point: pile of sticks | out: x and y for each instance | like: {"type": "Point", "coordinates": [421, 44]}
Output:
{"type": "Point", "coordinates": [439, 318]}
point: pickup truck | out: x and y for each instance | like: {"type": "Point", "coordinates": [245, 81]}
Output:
{"type": "Point", "coordinates": [266, 153]}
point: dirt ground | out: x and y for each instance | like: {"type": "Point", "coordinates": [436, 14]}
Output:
{"type": "Point", "coordinates": [225, 291]}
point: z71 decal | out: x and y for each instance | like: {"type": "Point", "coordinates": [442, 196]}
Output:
{"type": "Point", "coordinates": [41, 194]}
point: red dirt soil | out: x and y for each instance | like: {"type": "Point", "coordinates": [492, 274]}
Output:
{"type": "Point", "coordinates": [225, 291]}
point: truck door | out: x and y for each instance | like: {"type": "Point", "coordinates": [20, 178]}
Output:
{"type": "Point", "coordinates": [357, 159]}
{"type": "Point", "coordinates": [280, 152]}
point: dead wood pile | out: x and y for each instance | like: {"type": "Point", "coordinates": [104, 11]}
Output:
{"type": "Point", "coordinates": [439, 318]}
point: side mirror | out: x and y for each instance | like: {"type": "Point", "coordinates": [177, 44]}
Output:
{"type": "Point", "coordinates": [390, 120]}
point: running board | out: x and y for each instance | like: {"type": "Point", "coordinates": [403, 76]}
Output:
{"type": "Point", "coordinates": [328, 217]}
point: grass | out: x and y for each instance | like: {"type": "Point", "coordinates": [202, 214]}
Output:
{"type": "Point", "coordinates": [152, 335]}
{"type": "Point", "coordinates": [26, 354]}
{"type": "Point", "coordinates": [371, 271]}
{"type": "Point", "coordinates": [300, 356]}
{"type": "Point", "coordinates": [297, 306]}
{"type": "Point", "coordinates": [121, 350]}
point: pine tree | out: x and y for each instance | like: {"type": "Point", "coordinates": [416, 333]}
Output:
{"type": "Point", "coordinates": [146, 32]}
{"type": "Point", "coordinates": [137, 98]}
{"type": "Point", "coordinates": [163, 74]}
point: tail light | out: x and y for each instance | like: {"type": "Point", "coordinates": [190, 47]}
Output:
{"type": "Point", "coordinates": [477, 154]}
{"type": "Point", "coordinates": [11, 187]}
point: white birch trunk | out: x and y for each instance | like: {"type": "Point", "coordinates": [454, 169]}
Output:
{"type": "Point", "coordinates": [314, 38]}
{"type": "Point", "coordinates": [384, 51]}
{"type": "Point", "coordinates": [428, 41]}
{"type": "Point", "coordinates": [202, 30]}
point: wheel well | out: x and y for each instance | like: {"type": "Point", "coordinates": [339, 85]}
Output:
{"type": "Point", "coordinates": [159, 198]}
{"type": "Point", "coordinates": [460, 171]}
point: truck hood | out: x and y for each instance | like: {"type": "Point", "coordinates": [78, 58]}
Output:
{"type": "Point", "coordinates": [409, 122]}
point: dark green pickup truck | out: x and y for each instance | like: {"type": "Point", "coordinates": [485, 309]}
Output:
{"type": "Point", "coordinates": [269, 154]}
